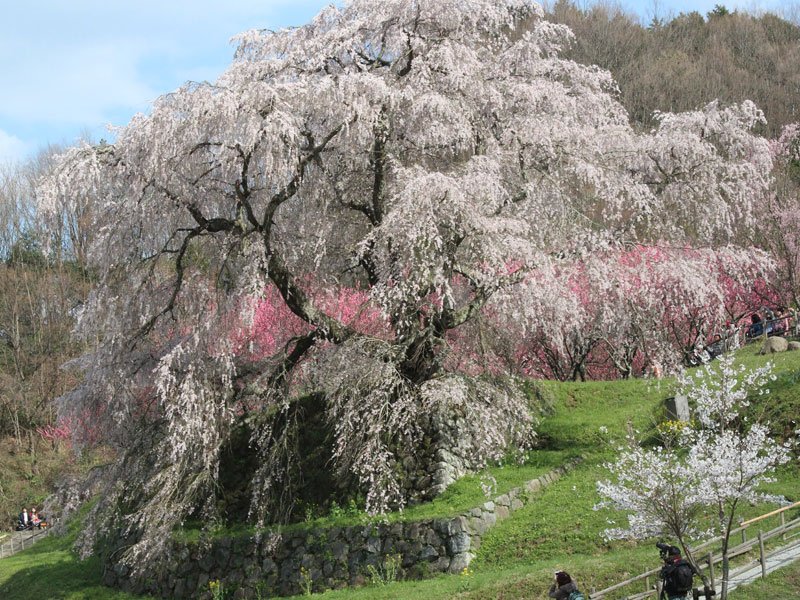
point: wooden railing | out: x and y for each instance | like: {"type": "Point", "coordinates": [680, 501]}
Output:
{"type": "Point", "coordinates": [20, 542]}
{"type": "Point", "coordinates": [711, 559]}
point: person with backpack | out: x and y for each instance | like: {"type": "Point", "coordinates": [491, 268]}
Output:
{"type": "Point", "coordinates": [677, 575]}
{"type": "Point", "coordinates": [565, 588]}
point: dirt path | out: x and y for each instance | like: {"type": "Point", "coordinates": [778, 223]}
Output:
{"type": "Point", "coordinates": [15, 541]}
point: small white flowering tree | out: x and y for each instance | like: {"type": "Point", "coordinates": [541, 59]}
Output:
{"type": "Point", "coordinates": [692, 485]}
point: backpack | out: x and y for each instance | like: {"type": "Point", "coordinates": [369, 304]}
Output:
{"type": "Point", "coordinates": [679, 579]}
{"type": "Point", "coordinates": [576, 595]}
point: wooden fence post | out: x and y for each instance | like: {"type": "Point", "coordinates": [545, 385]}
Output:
{"type": "Point", "coordinates": [711, 569]}
{"type": "Point", "coordinates": [760, 537]}
{"type": "Point", "coordinates": [783, 524]}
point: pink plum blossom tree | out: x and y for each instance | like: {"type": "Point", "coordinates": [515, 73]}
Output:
{"type": "Point", "coordinates": [621, 310]}
{"type": "Point", "coordinates": [438, 155]}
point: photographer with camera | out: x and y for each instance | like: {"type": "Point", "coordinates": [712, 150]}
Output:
{"type": "Point", "coordinates": [564, 587]}
{"type": "Point", "coordinates": [676, 573]}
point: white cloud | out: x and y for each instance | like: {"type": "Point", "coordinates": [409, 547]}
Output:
{"type": "Point", "coordinates": [12, 149]}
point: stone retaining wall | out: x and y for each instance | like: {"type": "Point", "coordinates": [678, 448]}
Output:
{"type": "Point", "coordinates": [431, 469]}
{"type": "Point", "coordinates": [332, 558]}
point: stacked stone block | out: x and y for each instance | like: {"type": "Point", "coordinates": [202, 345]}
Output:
{"type": "Point", "coordinates": [333, 558]}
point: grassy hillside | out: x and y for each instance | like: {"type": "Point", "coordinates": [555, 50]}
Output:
{"type": "Point", "coordinates": [517, 558]}
{"type": "Point", "coordinates": [51, 571]}
{"type": "Point", "coordinates": [29, 472]}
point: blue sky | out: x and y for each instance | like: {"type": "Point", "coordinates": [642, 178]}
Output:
{"type": "Point", "coordinates": [71, 67]}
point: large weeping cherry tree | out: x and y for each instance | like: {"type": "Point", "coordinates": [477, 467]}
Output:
{"type": "Point", "coordinates": [437, 155]}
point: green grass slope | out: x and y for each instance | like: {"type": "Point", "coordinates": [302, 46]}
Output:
{"type": "Point", "coordinates": [50, 570]}
{"type": "Point", "coordinates": [516, 560]}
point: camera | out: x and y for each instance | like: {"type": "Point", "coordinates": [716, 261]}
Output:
{"type": "Point", "coordinates": [664, 549]}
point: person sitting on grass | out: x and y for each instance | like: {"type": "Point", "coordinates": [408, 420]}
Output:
{"type": "Point", "coordinates": [24, 520]}
{"type": "Point", "coordinates": [781, 324]}
{"type": "Point", "coordinates": [565, 588]}
{"type": "Point", "coordinates": [756, 326]}
{"type": "Point", "coordinates": [715, 348]}
{"type": "Point", "coordinates": [731, 336]}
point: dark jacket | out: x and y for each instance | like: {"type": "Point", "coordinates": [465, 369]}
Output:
{"type": "Point", "coordinates": [666, 575]}
{"type": "Point", "coordinates": [564, 591]}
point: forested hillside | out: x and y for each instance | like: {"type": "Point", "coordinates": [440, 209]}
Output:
{"type": "Point", "coordinates": [43, 282]}
{"type": "Point", "coordinates": [680, 64]}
